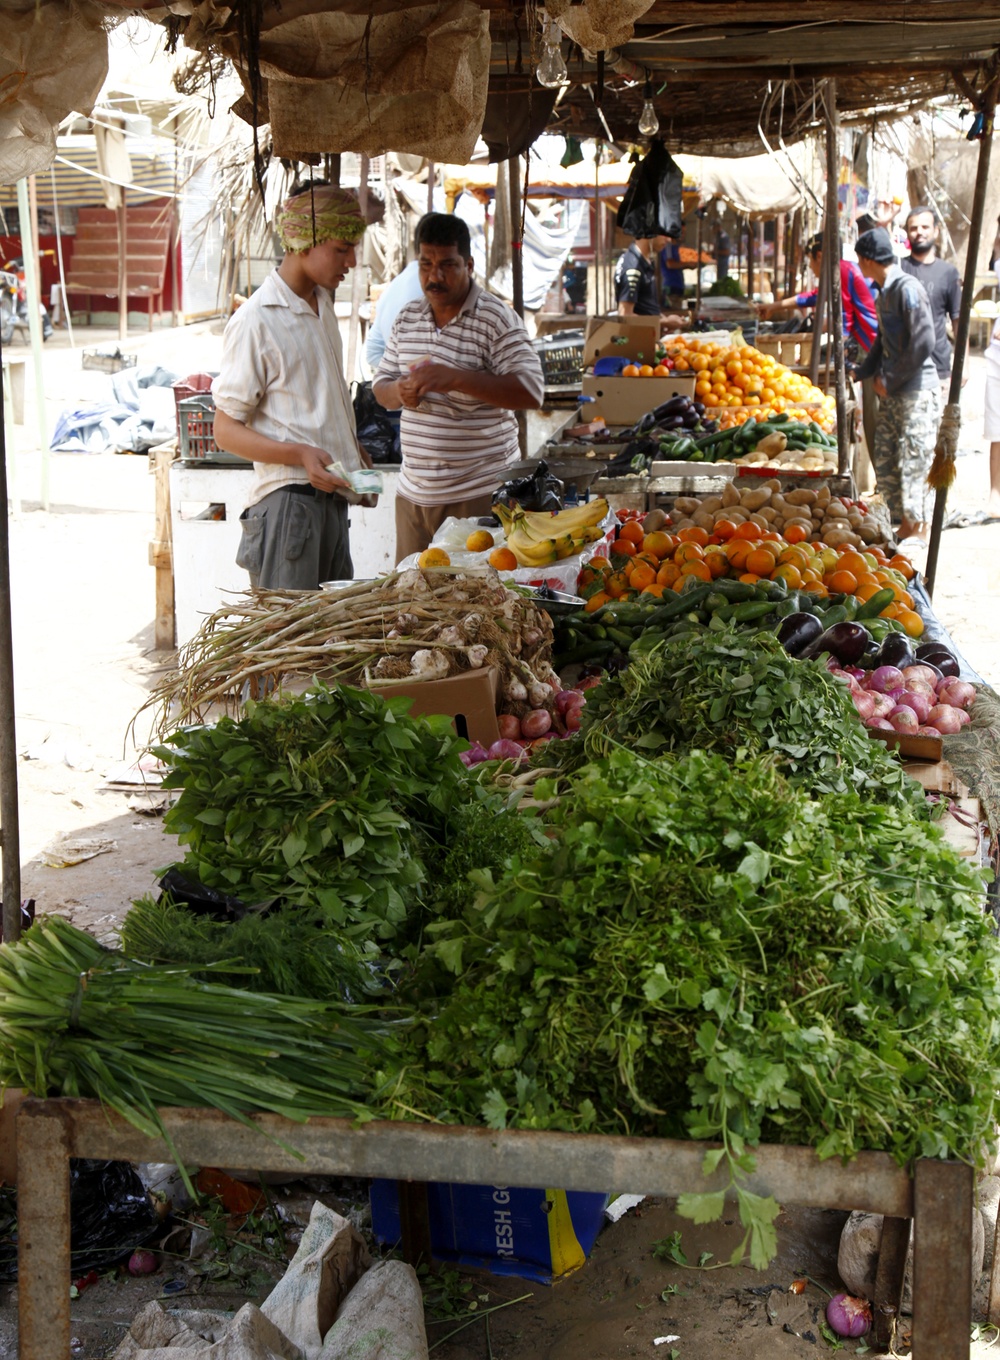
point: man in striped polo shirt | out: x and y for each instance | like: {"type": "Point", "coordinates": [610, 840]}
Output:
{"type": "Point", "coordinates": [459, 363]}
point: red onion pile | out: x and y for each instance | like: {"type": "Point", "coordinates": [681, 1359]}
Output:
{"type": "Point", "coordinates": [518, 736]}
{"type": "Point", "coordinates": [916, 699]}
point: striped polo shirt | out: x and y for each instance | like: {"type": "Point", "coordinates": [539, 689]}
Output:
{"type": "Point", "coordinates": [282, 375]}
{"type": "Point", "coordinates": [456, 447]}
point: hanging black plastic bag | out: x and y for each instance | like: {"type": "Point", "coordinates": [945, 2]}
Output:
{"type": "Point", "coordinates": [651, 205]}
{"type": "Point", "coordinates": [110, 1215]}
{"type": "Point", "coordinates": [539, 491]}
{"type": "Point", "coordinates": [378, 429]}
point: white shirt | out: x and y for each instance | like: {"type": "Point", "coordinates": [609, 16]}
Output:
{"type": "Point", "coordinates": [282, 375]}
{"type": "Point", "coordinates": [456, 447]}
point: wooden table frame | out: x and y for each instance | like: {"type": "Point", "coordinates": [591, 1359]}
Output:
{"type": "Point", "coordinates": [938, 1197]}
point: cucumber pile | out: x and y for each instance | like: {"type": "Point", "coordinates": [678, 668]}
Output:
{"type": "Point", "coordinates": [617, 631]}
{"type": "Point", "coordinates": [722, 446]}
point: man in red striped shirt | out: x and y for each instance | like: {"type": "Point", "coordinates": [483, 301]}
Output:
{"type": "Point", "coordinates": [459, 363]}
{"type": "Point", "coordinates": [860, 320]}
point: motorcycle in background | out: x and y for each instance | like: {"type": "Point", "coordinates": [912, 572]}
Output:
{"type": "Point", "coordinates": [14, 300]}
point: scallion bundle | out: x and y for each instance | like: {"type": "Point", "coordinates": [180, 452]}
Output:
{"type": "Point", "coordinates": [80, 1020]}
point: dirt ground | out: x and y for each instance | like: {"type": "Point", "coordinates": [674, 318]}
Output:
{"type": "Point", "coordinates": [83, 602]}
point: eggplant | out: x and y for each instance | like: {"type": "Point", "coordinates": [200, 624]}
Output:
{"type": "Point", "coordinates": [942, 661]}
{"type": "Point", "coordinates": [797, 631]}
{"type": "Point", "coordinates": [870, 656]}
{"type": "Point", "coordinates": [699, 406]}
{"type": "Point", "coordinates": [845, 641]}
{"type": "Point", "coordinates": [926, 648]}
{"type": "Point", "coordinates": [690, 418]}
{"type": "Point", "coordinates": [896, 650]}
{"type": "Point", "coordinates": [674, 407]}
{"type": "Point", "coordinates": [671, 422]}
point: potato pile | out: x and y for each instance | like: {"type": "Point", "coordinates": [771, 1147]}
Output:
{"type": "Point", "coordinates": [822, 516]}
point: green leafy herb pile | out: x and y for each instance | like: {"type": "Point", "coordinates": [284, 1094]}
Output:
{"type": "Point", "coordinates": [77, 1019]}
{"type": "Point", "coordinates": [741, 694]}
{"type": "Point", "coordinates": [703, 949]}
{"type": "Point", "coordinates": [337, 801]}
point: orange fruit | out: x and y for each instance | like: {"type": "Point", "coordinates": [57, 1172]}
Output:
{"type": "Point", "coordinates": [816, 588]}
{"type": "Point", "coordinates": [866, 590]}
{"type": "Point", "coordinates": [737, 550]}
{"type": "Point", "coordinates": [842, 580]}
{"type": "Point", "coordinates": [724, 529]}
{"type": "Point", "coordinates": [479, 541]}
{"type": "Point", "coordinates": [504, 560]}
{"type": "Point", "coordinates": [911, 621]}
{"type": "Point", "coordinates": [616, 585]}
{"type": "Point", "coordinates": [852, 562]}
{"type": "Point", "coordinates": [749, 531]}
{"type": "Point", "coordinates": [661, 371]}
{"type": "Point", "coordinates": [699, 569]}
{"type": "Point", "coordinates": [791, 576]}
{"type": "Point", "coordinates": [646, 371]}
{"type": "Point", "coordinates": [599, 564]}
{"type": "Point", "coordinates": [595, 602]}
{"type": "Point", "coordinates": [760, 562]}
{"type": "Point", "coordinates": [642, 576]}
{"type": "Point", "coordinates": [658, 545]}
{"type": "Point", "coordinates": [668, 574]}
{"type": "Point", "coordinates": [656, 590]}
{"type": "Point", "coordinates": [437, 557]}
{"type": "Point", "coordinates": [630, 371]}
{"type": "Point", "coordinates": [795, 533]}
{"type": "Point", "coordinates": [688, 552]}
{"type": "Point", "coordinates": [749, 578]}
{"type": "Point", "coordinates": [693, 535]}
{"type": "Point", "coordinates": [631, 531]}
{"type": "Point", "coordinates": [717, 563]}
{"type": "Point", "coordinates": [903, 564]}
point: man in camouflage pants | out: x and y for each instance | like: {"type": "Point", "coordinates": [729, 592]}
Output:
{"type": "Point", "coordinates": [902, 364]}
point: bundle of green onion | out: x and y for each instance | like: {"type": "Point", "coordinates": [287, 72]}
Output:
{"type": "Point", "coordinates": [77, 1019]}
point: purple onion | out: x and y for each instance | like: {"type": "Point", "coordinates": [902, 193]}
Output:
{"type": "Point", "coordinates": [920, 704]}
{"type": "Point", "coordinates": [849, 1316]}
{"type": "Point", "coordinates": [504, 749]}
{"type": "Point", "coordinates": [903, 719]}
{"type": "Point", "coordinates": [475, 755]}
{"type": "Point", "coordinates": [885, 678]}
{"type": "Point", "coordinates": [142, 1262]}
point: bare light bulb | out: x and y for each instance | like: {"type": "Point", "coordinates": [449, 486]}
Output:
{"type": "Point", "coordinates": [649, 124]}
{"type": "Point", "coordinates": [552, 68]}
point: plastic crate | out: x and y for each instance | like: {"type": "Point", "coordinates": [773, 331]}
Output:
{"type": "Point", "coordinates": [562, 358]}
{"type": "Point", "coordinates": [194, 385]}
{"type": "Point", "coordinates": [196, 421]}
{"type": "Point", "coordinates": [104, 361]}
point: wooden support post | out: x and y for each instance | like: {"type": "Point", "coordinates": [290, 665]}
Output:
{"type": "Point", "coordinates": [750, 259]}
{"type": "Point", "coordinates": [964, 314]}
{"type": "Point", "coordinates": [892, 1254]}
{"type": "Point", "coordinates": [43, 1246]}
{"type": "Point", "coordinates": [831, 256]}
{"type": "Point", "coordinates": [161, 553]}
{"type": "Point", "coordinates": [942, 1299]}
{"type": "Point", "coordinates": [122, 221]}
{"type": "Point", "coordinates": [10, 837]}
{"type": "Point", "coordinates": [414, 1222]}
{"type": "Point", "coordinates": [357, 281]}
{"type": "Point", "coordinates": [517, 274]}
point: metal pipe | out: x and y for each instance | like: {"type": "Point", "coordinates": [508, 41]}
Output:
{"type": "Point", "coordinates": [357, 280]}
{"type": "Point", "coordinates": [517, 273]}
{"type": "Point", "coordinates": [832, 252]}
{"type": "Point", "coordinates": [59, 258]}
{"type": "Point", "coordinates": [10, 837]}
{"type": "Point", "coordinates": [964, 315]}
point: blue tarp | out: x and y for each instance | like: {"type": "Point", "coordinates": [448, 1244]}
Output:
{"type": "Point", "coordinates": [139, 414]}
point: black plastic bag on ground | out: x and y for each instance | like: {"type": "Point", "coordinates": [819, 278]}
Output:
{"type": "Point", "coordinates": [378, 429]}
{"type": "Point", "coordinates": [651, 205]}
{"type": "Point", "coordinates": [540, 490]}
{"type": "Point", "coordinates": [110, 1215]}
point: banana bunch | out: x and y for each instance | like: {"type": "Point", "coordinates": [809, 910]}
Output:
{"type": "Point", "coordinates": [537, 539]}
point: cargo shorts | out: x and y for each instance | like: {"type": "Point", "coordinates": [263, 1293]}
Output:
{"type": "Point", "coordinates": [295, 538]}
{"type": "Point", "coordinates": [905, 436]}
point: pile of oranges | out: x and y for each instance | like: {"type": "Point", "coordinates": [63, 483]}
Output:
{"type": "Point", "coordinates": [652, 564]}
{"type": "Point", "coordinates": [825, 416]}
{"type": "Point", "coordinates": [645, 371]}
{"type": "Point", "coordinates": [739, 375]}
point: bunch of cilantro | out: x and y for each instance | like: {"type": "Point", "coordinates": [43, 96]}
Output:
{"type": "Point", "coordinates": [741, 694]}
{"type": "Point", "coordinates": [704, 949]}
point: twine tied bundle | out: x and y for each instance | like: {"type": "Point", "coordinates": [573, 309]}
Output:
{"type": "Point", "coordinates": [942, 472]}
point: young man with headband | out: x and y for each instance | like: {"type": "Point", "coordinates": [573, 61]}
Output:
{"type": "Point", "coordinates": [282, 401]}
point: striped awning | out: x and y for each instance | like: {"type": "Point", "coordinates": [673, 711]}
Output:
{"type": "Point", "coordinates": [78, 181]}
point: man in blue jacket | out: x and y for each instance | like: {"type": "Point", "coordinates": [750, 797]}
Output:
{"type": "Point", "coordinates": [902, 363]}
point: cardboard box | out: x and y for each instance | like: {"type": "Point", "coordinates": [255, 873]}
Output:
{"type": "Point", "coordinates": [621, 337]}
{"type": "Point", "coordinates": [908, 743]}
{"type": "Point", "coordinates": [623, 401]}
{"type": "Point", "coordinates": [536, 1234]}
{"type": "Point", "coordinates": [469, 699]}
